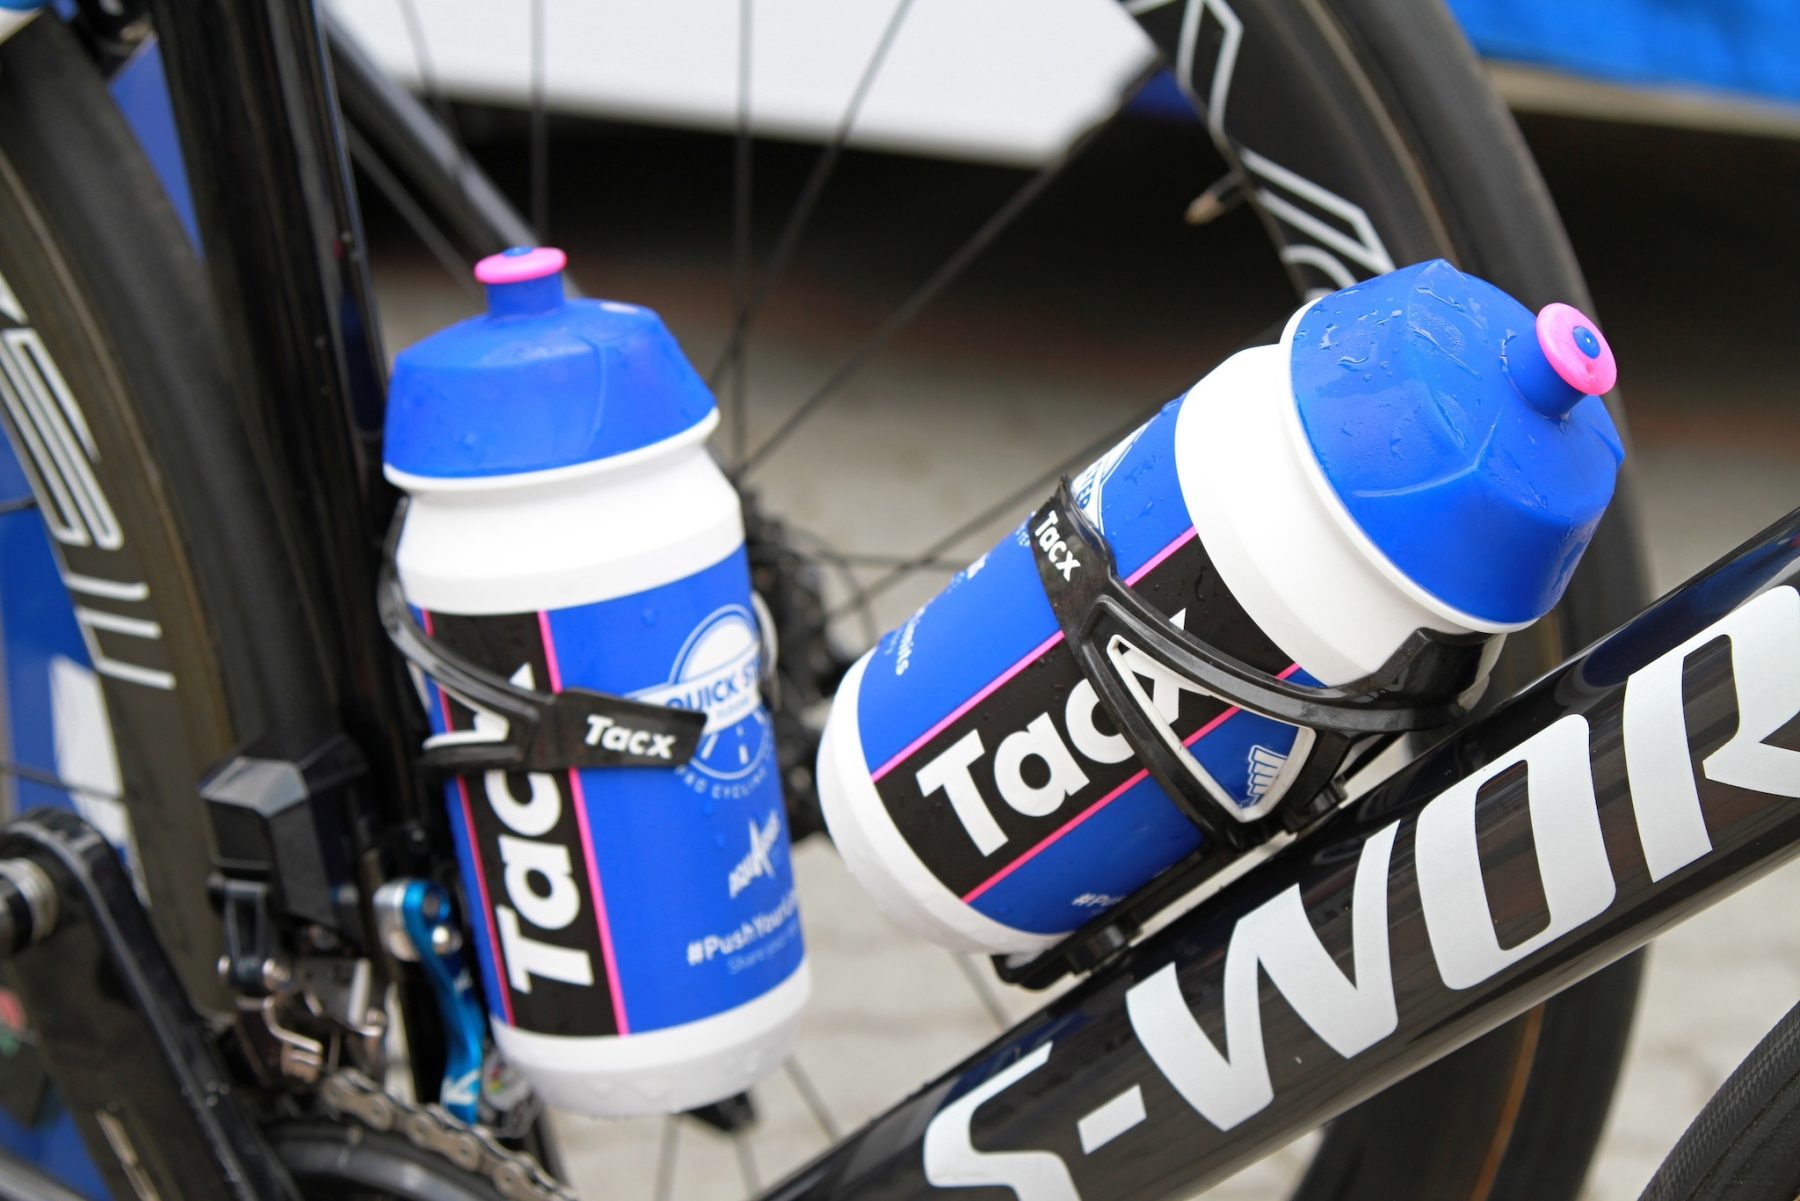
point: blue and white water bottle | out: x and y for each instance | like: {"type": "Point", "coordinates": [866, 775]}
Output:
{"type": "Point", "coordinates": [637, 929]}
{"type": "Point", "coordinates": [1418, 452]}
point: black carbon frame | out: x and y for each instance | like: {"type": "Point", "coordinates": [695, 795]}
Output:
{"type": "Point", "coordinates": [1084, 1050]}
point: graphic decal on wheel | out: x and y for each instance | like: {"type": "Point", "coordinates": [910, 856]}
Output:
{"type": "Point", "coordinates": [51, 437]}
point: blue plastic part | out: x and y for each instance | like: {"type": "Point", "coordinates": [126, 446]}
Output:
{"type": "Point", "coordinates": [539, 382]}
{"type": "Point", "coordinates": [141, 91]}
{"type": "Point", "coordinates": [1439, 423]}
{"type": "Point", "coordinates": [1748, 46]}
{"type": "Point", "coordinates": [54, 1147]}
{"type": "Point", "coordinates": [465, 1026]}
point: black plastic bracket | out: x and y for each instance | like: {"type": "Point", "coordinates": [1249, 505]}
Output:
{"type": "Point", "coordinates": [545, 731]}
{"type": "Point", "coordinates": [1430, 681]}
{"type": "Point", "coordinates": [136, 1068]}
{"type": "Point", "coordinates": [282, 835]}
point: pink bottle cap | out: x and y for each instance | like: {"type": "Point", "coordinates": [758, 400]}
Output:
{"type": "Point", "coordinates": [520, 265]}
{"type": "Point", "coordinates": [1572, 342]}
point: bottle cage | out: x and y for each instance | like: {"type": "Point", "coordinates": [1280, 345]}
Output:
{"type": "Point", "coordinates": [544, 731]}
{"type": "Point", "coordinates": [1104, 622]}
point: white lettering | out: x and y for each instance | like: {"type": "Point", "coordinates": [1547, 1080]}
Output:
{"type": "Point", "coordinates": [1165, 686]}
{"type": "Point", "coordinates": [1084, 702]}
{"type": "Point", "coordinates": [951, 1160]}
{"type": "Point", "coordinates": [1278, 938]}
{"type": "Point", "coordinates": [527, 957]}
{"type": "Point", "coordinates": [1765, 666]}
{"type": "Point", "coordinates": [549, 861]}
{"type": "Point", "coordinates": [950, 772]}
{"type": "Point", "coordinates": [1565, 832]}
{"type": "Point", "coordinates": [543, 809]}
{"type": "Point", "coordinates": [1039, 740]}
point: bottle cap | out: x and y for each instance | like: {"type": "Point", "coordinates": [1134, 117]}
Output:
{"type": "Point", "coordinates": [1464, 437]}
{"type": "Point", "coordinates": [537, 382]}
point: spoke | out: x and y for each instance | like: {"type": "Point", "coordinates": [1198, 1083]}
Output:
{"type": "Point", "coordinates": [37, 775]}
{"type": "Point", "coordinates": [1025, 492]}
{"type": "Point", "coordinates": [428, 76]}
{"type": "Point", "coordinates": [416, 219]}
{"type": "Point", "coordinates": [740, 234]}
{"type": "Point", "coordinates": [540, 126]}
{"type": "Point", "coordinates": [929, 291]}
{"type": "Point", "coordinates": [665, 1159]}
{"type": "Point", "coordinates": [815, 1104]}
{"type": "Point", "coordinates": [820, 551]}
{"type": "Point", "coordinates": [977, 977]}
{"type": "Point", "coordinates": [740, 1143]}
{"type": "Point", "coordinates": [801, 213]}
{"type": "Point", "coordinates": [858, 558]}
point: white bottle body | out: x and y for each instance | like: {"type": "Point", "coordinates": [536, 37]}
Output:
{"type": "Point", "coordinates": [613, 552]}
{"type": "Point", "coordinates": [949, 835]}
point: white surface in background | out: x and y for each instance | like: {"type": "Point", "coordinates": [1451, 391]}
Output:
{"type": "Point", "coordinates": [1002, 80]}
{"type": "Point", "coordinates": [87, 758]}
{"type": "Point", "coordinates": [11, 21]}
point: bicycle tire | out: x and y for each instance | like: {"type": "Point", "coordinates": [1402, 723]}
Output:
{"type": "Point", "coordinates": [1528, 1128]}
{"type": "Point", "coordinates": [1742, 1145]}
{"type": "Point", "coordinates": [104, 273]}
{"type": "Point", "coordinates": [333, 1162]}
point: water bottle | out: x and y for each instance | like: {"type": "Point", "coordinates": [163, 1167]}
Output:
{"type": "Point", "coordinates": [636, 927]}
{"type": "Point", "coordinates": [1418, 452]}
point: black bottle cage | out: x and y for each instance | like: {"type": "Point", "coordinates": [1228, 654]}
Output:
{"type": "Point", "coordinates": [1103, 619]}
{"type": "Point", "coordinates": [545, 731]}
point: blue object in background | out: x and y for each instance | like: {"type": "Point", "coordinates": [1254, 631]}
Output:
{"type": "Point", "coordinates": [37, 627]}
{"type": "Point", "coordinates": [1747, 46]}
{"type": "Point", "coordinates": [141, 91]}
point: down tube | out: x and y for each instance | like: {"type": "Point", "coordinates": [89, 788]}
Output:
{"type": "Point", "coordinates": [1641, 781]}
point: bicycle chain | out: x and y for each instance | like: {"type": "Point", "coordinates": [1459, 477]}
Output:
{"type": "Point", "coordinates": [517, 1175]}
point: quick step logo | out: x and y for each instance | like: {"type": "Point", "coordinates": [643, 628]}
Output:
{"type": "Point", "coordinates": [757, 864]}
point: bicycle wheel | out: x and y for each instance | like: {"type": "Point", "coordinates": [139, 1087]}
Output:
{"type": "Point", "coordinates": [1743, 1144]}
{"type": "Point", "coordinates": [189, 608]}
{"type": "Point", "coordinates": [1384, 113]}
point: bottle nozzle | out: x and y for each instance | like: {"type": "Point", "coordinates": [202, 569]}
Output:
{"type": "Point", "coordinates": [1570, 360]}
{"type": "Point", "coordinates": [523, 279]}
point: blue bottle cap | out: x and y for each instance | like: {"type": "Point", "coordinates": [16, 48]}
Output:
{"type": "Point", "coordinates": [1460, 433]}
{"type": "Point", "coordinates": [537, 382]}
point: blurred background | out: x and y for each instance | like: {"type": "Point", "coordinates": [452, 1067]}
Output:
{"type": "Point", "coordinates": [1668, 133]}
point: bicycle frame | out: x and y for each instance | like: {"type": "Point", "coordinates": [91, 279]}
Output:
{"type": "Point", "coordinates": [1645, 779]}
{"type": "Point", "coordinates": [1641, 781]}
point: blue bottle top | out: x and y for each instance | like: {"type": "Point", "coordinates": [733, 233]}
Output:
{"type": "Point", "coordinates": [537, 382]}
{"type": "Point", "coordinates": [1464, 436]}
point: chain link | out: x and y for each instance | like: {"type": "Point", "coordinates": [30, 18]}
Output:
{"type": "Point", "coordinates": [518, 1177]}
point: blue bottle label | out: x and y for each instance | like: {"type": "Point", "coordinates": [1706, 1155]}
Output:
{"type": "Point", "coordinates": [621, 900]}
{"type": "Point", "coordinates": [989, 749]}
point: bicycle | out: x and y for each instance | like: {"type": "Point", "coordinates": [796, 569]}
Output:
{"type": "Point", "coordinates": [218, 518]}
